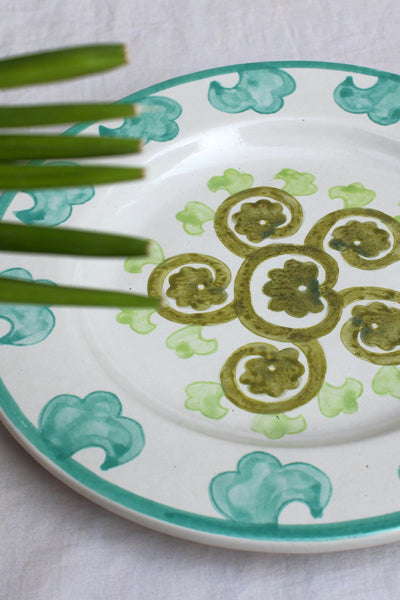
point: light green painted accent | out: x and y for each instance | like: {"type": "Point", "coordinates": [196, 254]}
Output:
{"type": "Point", "coordinates": [387, 381]}
{"type": "Point", "coordinates": [233, 181]}
{"type": "Point", "coordinates": [296, 183]}
{"type": "Point", "coordinates": [137, 319]}
{"type": "Point", "coordinates": [194, 216]}
{"type": "Point", "coordinates": [354, 195]}
{"type": "Point", "coordinates": [275, 427]}
{"type": "Point", "coordinates": [188, 341]}
{"type": "Point", "coordinates": [334, 400]}
{"type": "Point", "coordinates": [154, 257]}
{"type": "Point", "coordinates": [205, 397]}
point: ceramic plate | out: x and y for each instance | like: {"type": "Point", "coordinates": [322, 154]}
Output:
{"type": "Point", "coordinates": [260, 407]}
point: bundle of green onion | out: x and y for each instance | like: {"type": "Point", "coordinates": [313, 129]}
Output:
{"type": "Point", "coordinates": [18, 174]}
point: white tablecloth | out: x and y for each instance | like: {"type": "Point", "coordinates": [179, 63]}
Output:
{"type": "Point", "coordinates": [54, 544]}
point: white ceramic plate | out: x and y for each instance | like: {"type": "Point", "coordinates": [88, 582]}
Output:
{"type": "Point", "coordinates": [260, 409]}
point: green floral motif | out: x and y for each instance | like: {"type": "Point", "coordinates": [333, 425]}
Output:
{"type": "Point", "coordinates": [261, 487]}
{"type": "Point", "coordinates": [381, 101]}
{"type": "Point", "coordinates": [275, 427]}
{"type": "Point", "coordinates": [261, 90]}
{"type": "Point", "coordinates": [296, 183]}
{"type": "Point", "coordinates": [154, 257]}
{"type": "Point", "coordinates": [232, 181]}
{"type": "Point", "coordinates": [294, 289]}
{"type": "Point", "coordinates": [354, 195]}
{"type": "Point", "coordinates": [188, 341]}
{"type": "Point", "coordinates": [194, 216]}
{"type": "Point", "coordinates": [53, 207]}
{"type": "Point", "coordinates": [138, 319]}
{"type": "Point", "coordinates": [333, 400]}
{"type": "Point", "coordinates": [70, 424]}
{"type": "Point", "coordinates": [157, 121]}
{"type": "Point", "coordinates": [258, 220]}
{"type": "Point", "coordinates": [364, 238]}
{"type": "Point", "coordinates": [195, 287]}
{"type": "Point", "coordinates": [387, 381]}
{"type": "Point", "coordinates": [205, 397]}
{"type": "Point", "coordinates": [30, 323]}
{"type": "Point", "coordinates": [273, 373]}
{"type": "Point", "coordinates": [378, 324]}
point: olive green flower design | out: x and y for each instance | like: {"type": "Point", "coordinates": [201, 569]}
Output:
{"type": "Point", "coordinates": [258, 220]}
{"type": "Point", "coordinates": [273, 373]}
{"type": "Point", "coordinates": [379, 325]}
{"type": "Point", "coordinates": [290, 377]}
{"type": "Point", "coordinates": [364, 238]}
{"type": "Point", "coordinates": [294, 289]}
{"type": "Point", "coordinates": [195, 287]}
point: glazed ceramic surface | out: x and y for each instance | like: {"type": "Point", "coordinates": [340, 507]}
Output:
{"type": "Point", "coordinates": [259, 408]}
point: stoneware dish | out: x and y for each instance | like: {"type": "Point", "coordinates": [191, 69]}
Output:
{"type": "Point", "coordinates": [259, 409]}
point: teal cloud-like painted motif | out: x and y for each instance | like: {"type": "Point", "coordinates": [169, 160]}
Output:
{"type": "Point", "coordinates": [138, 319]}
{"type": "Point", "coordinates": [296, 183]}
{"type": "Point", "coordinates": [189, 341]}
{"type": "Point", "coordinates": [233, 181]}
{"type": "Point", "coordinates": [261, 487]}
{"type": "Point", "coordinates": [70, 424]}
{"type": "Point", "coordinates": [381, 102]}
{"type": "Point", "coordinates": [52, 207]}
{"type": "Point", "coordinates": [155, 255]}
{"type": "Point", "coordinates": [205, 396]}
{"type": "Point", "coordinates": [157, 121]}
{"type": "Point", "coordinates": [275, 427]}
{"type": "Point", "coordinates": [193, 217]}
{"type": "Point", "coordinates": [30, 323]}
{"type": "Point", "coordinates": [261, 90]}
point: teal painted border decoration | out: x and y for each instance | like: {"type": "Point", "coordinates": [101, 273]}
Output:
{"type": "Point", "coordinates": [271, 532]}
{"type": "Point", "coordinates": [7, 197]}
{"type": "Point", "coordinates": [24, 430]}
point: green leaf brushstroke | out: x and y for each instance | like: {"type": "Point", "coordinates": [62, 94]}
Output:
{"type": "Point", "coordinates": [275, 427]}
{"type": "Point", "coordinates": [205, 397]}
{"type": "Point", "coordinates": [138, 320]}
{"type": "Point", "coordinates": [233, 181]}
{"type": "Point", "coordinates": [296, 183]}
{"type": "Point", "coordinates": [188, 341]}
{"type": "Point", "coordinates": [354, 195]}
{"type": "Point", "coordinates": [333, 400]}
{"type": "Point", "coordinates": [387, 381]}
{"type": "Point", "coordinates": [194, 216]}
{"type": "Point", "coordinates": [154, 257]}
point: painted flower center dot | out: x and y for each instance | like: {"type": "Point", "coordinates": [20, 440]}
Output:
{"type": "Point", "coordinates": [357, 242]}
{"type": "Point", "coordinates": [201, 286]}
{"type": "Point", "coordinates": [263, 222]}
{"type": "Point", "coordinates": [374, 325]}
{"type": "Point", "coordinates": [271, 368]}
{"type": "Point", "coordinates": [302, 288]}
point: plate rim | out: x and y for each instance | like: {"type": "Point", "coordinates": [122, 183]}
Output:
{"type": "Point", "coordinates": [327, 536]}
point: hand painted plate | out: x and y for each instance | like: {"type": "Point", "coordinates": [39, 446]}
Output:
{"type": "Point", "coordinates": [260, 408]}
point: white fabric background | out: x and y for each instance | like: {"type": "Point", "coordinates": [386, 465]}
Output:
{"type": "Point", "coordinates": [53, 543]}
